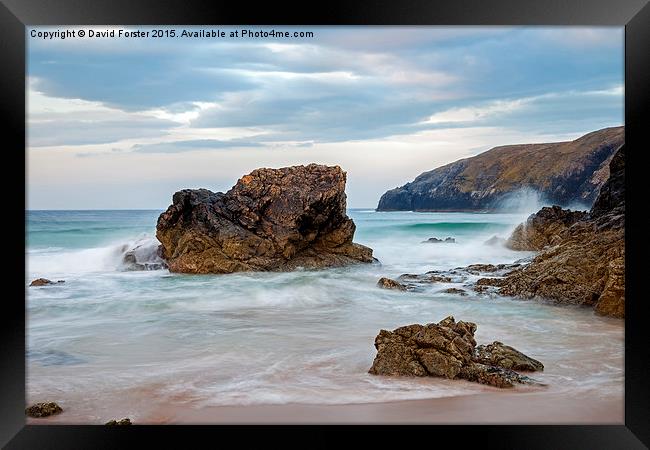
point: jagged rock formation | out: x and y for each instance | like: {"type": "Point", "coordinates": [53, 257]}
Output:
{"type": "Point", "coordinates": [448, 349]}
{"type": "Point", "coordinates": [563, 173]}
{"type": "Point", "coordinates": [271, 220]}
{"type": "Point", "coordinates": [585, 262]}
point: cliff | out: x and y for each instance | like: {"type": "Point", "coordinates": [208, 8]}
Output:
{"type": "Point", "coordinates": [563, 173]}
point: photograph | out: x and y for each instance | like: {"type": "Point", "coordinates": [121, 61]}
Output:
{"type": "Point", "coordinates": [325, 225]}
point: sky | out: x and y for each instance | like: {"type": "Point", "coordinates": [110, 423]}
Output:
{"type": "Point", "coordinates": [119, 123]}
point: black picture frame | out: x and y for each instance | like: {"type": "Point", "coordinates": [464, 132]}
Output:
{"type": "Point", "coordinates": [15, 15]}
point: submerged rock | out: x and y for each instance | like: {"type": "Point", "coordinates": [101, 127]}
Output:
{"type": "Point", "coordinates": [271, 220]}
{"type": "Point", "coordinates": [44, 282]}
{"type": "Point", "coordinates": [125, 421]}
{"type": "Point", "coordinates": [446, 349]}
{"type": "Point", "coordinates": [429, 277]}
{"type": "Point", "coordinates": [387, 283]}
{"type": "Point", "coordinates": [456, 291]}
{"type": "Point", "coordinates": [434, 240]}
{"type": "Point", "coordinates": [43, 409]}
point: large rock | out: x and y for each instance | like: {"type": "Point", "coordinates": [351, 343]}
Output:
{"type": "Point", "coordinates": [446, 349]}
{"type": "Point", "coordinates": [585, 264]}
{"type": "Point", "coordinates": [272, 219]}
{"type": "Point", "coordinates": [563, 173]}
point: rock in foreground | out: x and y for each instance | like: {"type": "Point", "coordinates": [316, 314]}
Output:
{"type": "Point", "coordinates": [271, 220]}
{"type": "Point", "coordinates": [125, 421]}
{"type": "Point", "coordinates": [448, 349]}
{"type": "Point", "coordinates": [43, 409]}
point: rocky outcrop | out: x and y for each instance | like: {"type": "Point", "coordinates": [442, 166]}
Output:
{"type": "Point", "coordinates": [563, 173]}
{"type": "Point", "coordinates": [543, 228]}
{"type": "Point", "coordinates": [584, 263]}
{"type": "Point", "coordinates": [271, 220]}
{"type": "Point", "coordinates": [448, 349]}
{"type": "Point", "coordinates": [43, 409]}
{"type": "Point", "coordinates": [44, 282]}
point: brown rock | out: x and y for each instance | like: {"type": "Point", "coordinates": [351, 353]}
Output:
{"type": "Point", "coordinates": [586, 265]}
{"type": "Point", "coordinates": [44, 282]}
{"type": "Point", "coordinates": [490, 282]}
{"type": "Point", "coordinates": [387, 283]}
{"type": "Point", "coordinates": [446, 349]}
{"type": "Point", "coordinates": [271, 220]}
{"type": "Point", "coordinates": [125, 421]}
{"type": "Point", "coordinates": [498, 354]}
{"type": "Point", "coordinates": [543, 228]}
{"type": "Point", "coordinates": [43, 409]}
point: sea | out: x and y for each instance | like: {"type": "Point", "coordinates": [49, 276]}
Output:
{"type": "Point", "coordinates": [110, 339]}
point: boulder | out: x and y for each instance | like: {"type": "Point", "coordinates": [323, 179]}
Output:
{"type": "Point", "coordinates": [43, 409]}
{"type": "Point", "coordinates": [387, 283]}
{"type": "Point", "coordinates": [446, 349]}
{"type": "Point", "coordinates": [271, 220]}
{"type": "Point", "coordinates": [543, 228]}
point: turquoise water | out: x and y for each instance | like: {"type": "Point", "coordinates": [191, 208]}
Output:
{"type": "Point", "coordinates": [108, 341]}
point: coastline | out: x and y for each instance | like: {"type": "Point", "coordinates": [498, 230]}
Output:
{"type": "Point", "coordinates": [530, 407]}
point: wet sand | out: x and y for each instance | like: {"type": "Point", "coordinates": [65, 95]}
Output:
{"type": "Point", "coordinates": [537, 407]}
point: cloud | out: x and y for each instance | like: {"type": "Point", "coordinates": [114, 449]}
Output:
{"type": "Point", "coordinates": [188, 146]}
{"type": "Point", "coordinates": [175, 113]}
{"type": "Point", "coordinates": [54, 121]}
{"type": "Point", "coordinates": [477, 113]}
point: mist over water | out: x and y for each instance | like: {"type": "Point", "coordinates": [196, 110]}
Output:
{"type": "Point", "coordinates": [108, 336]}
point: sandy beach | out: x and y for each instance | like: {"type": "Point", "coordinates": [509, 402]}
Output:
{"type": "Point", "coordinates": [537, 407]}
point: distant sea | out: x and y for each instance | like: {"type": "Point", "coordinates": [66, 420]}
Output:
{"type": "Point", "coordinates": [108, 336]}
